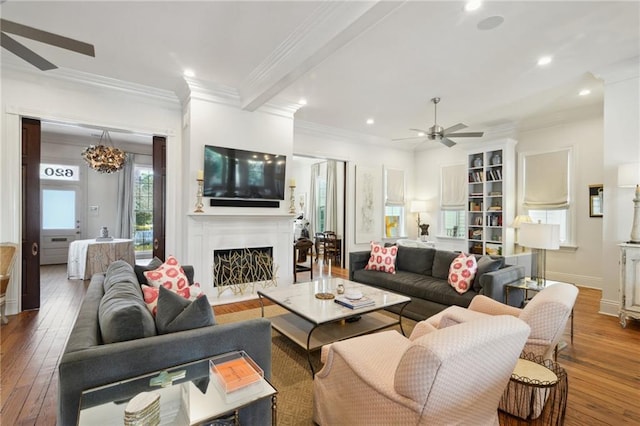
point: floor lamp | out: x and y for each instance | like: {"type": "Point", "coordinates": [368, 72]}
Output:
{"type": "Point", "coordinates": [540, 237]}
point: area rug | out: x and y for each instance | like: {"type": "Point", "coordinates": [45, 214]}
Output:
{"type": "Point", "coordinates": [290, 369]}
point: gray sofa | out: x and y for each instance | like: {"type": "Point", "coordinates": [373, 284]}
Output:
{"type": "Point", "coordinates": [421, 274]}
{"type": "Point", "coordinates": [87, 362]}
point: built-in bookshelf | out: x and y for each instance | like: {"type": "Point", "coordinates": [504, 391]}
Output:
{"type": "Point", "coordinates": [491, 199]}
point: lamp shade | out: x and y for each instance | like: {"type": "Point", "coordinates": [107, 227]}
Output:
{"type": "Point", "coordinates": [628, 175]}
{"type": "Point", "coordinates": [418, 206]}
{"type": "Point", "coordinates": [539, 236]}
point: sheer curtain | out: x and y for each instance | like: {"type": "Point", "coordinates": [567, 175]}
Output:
{"type": "Point", "coordinates": [315, 172]}
{"type": "Point", "coordinates": [331, 220]}
{"type": "Point", "coordinates": [125, 219]}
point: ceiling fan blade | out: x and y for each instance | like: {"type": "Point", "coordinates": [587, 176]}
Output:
{"type": "Point", "coordinates": [412, 137]}
{"type": "Point", "coordinates": [47, 37]}
{"type": "Point", "coordinates": [420, 130]}
{"type": "Point", "coordinates": [454, 128]}
{"type": "Point", "coordinates": [26, 54]}
{"type": "Point", "coordinates": [466, 135]}
{"type": "Point", "coordinates": [447, 142]}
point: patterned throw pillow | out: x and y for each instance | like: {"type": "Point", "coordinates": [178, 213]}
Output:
{"type": "Point", "coordinates": [169, 275]}
{"type": "Point", "coordinates": [461, 272]}
{"type": "Point", "coordinates": [382, 259]}
{"type": "Point", "coordinates": [151, 295]}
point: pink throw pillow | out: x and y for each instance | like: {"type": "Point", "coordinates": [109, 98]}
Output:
{"type": "Point", "coordinates": [461, 272]}
{"type": "Point", "coordinates": [169, 275]}
{"type": "Point", "coordinates": [382, 259]}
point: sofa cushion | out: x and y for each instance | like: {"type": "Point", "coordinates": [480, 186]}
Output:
{"type": "Point", "coordinates": [416, 260]}
{"type": "Point", "coordinates": [462, 271]}
{"type": "Point", "coordinates": [175, 313]}
{"type": "Point", "coordinates": [441, 262]}
{"type": "Point", "coordinates": [122, 313]}
{"type": "Point", "coordinates": [486, 264]}
{"type": "Point", "coordinates": [141, 269]}
{"type": "Point", "coordinates": [170, 275]}
{"type": "Point", "coordinates": [151, 295]}
{"type": "Point", "coordinates": [382, 259]}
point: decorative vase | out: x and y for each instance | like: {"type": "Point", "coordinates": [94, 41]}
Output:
{"type": "Point", "coordinates": [104, 232]}
{"type": "Point", "coordinates": [496, 159]}
{"type": "Point", "coordinates": [340, 288]}
{"type": "Point", "coordinates": [477, 162]}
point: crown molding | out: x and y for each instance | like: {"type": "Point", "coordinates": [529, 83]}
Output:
{"type": "Point", "coordinates": [334, 133]}
{"type": "Point", "coordinates": [562, 117]}
{"type": "Point", "coordinates": [620, 71]}
{"type": "Point", "coordinates": [24, 72]}
{"type": "Point", "coordinates": [218, 93]}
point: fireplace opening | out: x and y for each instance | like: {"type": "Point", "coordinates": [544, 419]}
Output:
{"type": "Point", "coordinates": [237, 269]}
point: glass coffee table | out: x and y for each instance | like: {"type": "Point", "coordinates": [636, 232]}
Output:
{"type": "Point", "coordinates": [312, 322]}
{"type": "Point", "coordinates": [189, 395]}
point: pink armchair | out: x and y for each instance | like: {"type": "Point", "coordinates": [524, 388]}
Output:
{"type": "Point", "coordinates": [455, 375]}
{"type": "Point", "coordinates": [547, 314]}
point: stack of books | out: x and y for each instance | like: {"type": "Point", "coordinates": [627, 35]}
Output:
{"type": "Point", "coordinates": [354, 304]}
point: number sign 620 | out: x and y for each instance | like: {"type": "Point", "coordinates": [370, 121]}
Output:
{"type": "Point", "coordinates": [59, 172]}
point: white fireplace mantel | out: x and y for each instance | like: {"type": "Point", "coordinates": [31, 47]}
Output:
{"type": "Point", "coordinates": [209, 232]}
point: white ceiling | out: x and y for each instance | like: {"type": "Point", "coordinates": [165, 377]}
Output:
{"type": "Point", "coordinates": [354, 60]}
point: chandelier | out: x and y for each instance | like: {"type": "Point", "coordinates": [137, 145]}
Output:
{"type": "Point", "coordinates": [104, 158]}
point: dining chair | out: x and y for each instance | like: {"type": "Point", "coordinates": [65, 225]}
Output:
{"type": "Point", "coordinates": [302, 253]}
{"type": "Point", "coordinates": [332, 250]}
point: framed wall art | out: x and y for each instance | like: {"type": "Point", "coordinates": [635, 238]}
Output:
{"type": "Point", "coordinates": [595, 200]}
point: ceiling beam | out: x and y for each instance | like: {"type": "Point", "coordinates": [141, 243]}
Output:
{"type": "Point", "coordinates": [331, 26]}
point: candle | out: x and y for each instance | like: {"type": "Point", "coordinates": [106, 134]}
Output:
{"type": "Point", "coordinates": [292, 182]}
{"type": "Point", "coordinates": [200, 175]}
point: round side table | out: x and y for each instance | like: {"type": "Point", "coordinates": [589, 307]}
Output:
{"type": "Point", "coordinates": [536, 393]}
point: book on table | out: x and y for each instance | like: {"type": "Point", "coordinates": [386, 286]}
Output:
{"type": "Point", "coordinates": [354, 304]}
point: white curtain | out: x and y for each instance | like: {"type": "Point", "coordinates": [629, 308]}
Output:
{"type": "Point", "coordinates": [453, 191]}
{"type": "Point", "coordinates": [546, 180]}
{"type": "Point", "coordinates": [313, 226]}
{"type": "Point", "coordinates": [331, 220]}
{"type": "Point", "coordinates": [125, 219]}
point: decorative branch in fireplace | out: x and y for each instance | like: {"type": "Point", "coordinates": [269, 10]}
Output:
{"type": "Point", "coordinates": [240, 269]}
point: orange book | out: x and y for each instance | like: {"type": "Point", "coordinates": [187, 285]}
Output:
{"type": "Point", "coordinates": [237, 373]}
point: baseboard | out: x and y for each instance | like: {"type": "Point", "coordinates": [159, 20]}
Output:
{"type": "Point", "coordinates": [579, 280]}
{"type": "Point", "coordinates": [609, 307]}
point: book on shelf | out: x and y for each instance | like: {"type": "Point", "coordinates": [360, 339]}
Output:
{"type": "Point", "coordinates": [354, 304]}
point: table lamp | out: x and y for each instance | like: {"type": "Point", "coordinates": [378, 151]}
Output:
{"type": "Point", "coordinates": [629, 177]}
{"type": "Point", "coordinates": [420, 206]}
{"type": "Point", "coordinates": [540, 237]}
{"type": "Point", "coordinates": [517, 222]}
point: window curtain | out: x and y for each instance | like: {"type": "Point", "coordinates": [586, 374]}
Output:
{"type": "Point", "coordinates": [331, 220]}
{"type": "Point", "coordinates": [453, 191]}
{"type": "Point", "coordinates": [395, 187]}
{"type": "Point", "coordinates": [546, 180]}
{"type": "Point", "coordinates": [125, 219]}
{"type": "Point", "coordinates": [313, 226]}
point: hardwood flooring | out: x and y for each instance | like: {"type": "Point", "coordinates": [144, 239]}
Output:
{"type": "Point", "coordinates": [603, 364]}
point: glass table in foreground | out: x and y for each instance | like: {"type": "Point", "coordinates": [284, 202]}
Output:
{"type": "Point", "coordinates": [189, 395]}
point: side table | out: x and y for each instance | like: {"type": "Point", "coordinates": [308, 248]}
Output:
{"type": "Point", "coordinates": [526, 285]}
{"type": "Point", "coordinates": [536, 393]}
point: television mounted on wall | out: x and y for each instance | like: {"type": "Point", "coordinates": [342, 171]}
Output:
{"type": "Point", "coordinates": [238, 174]}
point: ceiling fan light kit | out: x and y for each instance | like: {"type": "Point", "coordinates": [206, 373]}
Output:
{"type": "Point", "coordinates": [437, 132]}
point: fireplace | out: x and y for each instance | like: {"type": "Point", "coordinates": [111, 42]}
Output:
{"type": "Point", "coordinates": [239, 269]}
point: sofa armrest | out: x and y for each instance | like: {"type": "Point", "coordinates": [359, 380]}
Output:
{"type": "Point", "coordinates": [493, 284]}
{"type": "Point", "coordinates": [358, 260]}
{"type": "Point", "coordinates": [103, 364]}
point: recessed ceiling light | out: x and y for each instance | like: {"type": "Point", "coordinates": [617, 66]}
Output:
{"type": "Point", "coordinates": [472, 5]}
{"type": "Point", "coordinates": [189, 73]}
{"type": "Point", "coordinates": [545, 60]}
{"type": "Point", "coordinates": [370, 121]}
{"type": "Point", "coordinates": [584, 92]}
{"type": "Point", "coordinates": [302, 101]}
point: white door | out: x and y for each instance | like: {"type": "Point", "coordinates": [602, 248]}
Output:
{"type": "Point", "coordinates": [61, 201]}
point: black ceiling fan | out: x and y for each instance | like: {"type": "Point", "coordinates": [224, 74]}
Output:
{"type": "Point", "coordinates": [436, 132]}
{"type": "Point", "coordinates": [29, 55]}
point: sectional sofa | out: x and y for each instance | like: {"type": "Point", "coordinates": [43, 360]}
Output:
{"type": "Point", "coordinates": [422, 273]}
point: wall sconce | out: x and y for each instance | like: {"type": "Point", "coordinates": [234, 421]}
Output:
{"type": "Point", "coordinates": [629, 177]}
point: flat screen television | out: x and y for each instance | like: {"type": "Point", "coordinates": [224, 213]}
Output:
{"type": "Point", "coordinates": [235, 173]}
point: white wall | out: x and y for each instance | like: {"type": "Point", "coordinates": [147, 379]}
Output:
{"type": "Point", "coordinates": [581, 265]}
{"type": "Point", "coordinates": [353, 148]}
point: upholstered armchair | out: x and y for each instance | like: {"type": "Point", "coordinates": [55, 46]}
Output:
{"type": "Point", "coordinates": [454, 375]}
{"type": "Point", "coordinates": [546, 313]}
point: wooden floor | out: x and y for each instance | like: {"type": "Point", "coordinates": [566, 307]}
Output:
{"type": "Point", "coordinates": [603, 364]}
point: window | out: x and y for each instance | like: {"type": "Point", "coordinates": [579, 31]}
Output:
{"type": "Point", "coordinates": [143, 208]}
{"type": "Point", "coordinates": [547, 189]}
{"type": "Point", "coordinates": [58, 209]}
{"type": "Point", "coordinates": [452, 200]}
{"type": "Point", "coordinates": [394, 211]}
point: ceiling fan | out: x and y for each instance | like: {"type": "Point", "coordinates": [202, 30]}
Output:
{"type": "Point", "coordinates": [29, 55]}
{"type": "Point", "coordinates": [436, 132]}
